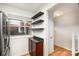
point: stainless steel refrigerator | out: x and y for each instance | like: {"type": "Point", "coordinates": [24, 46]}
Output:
{"type": "Point", "coordinates": [4, 35]}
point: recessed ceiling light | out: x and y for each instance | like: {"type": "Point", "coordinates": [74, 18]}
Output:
{"type": "Point", "coordinates": [56, 14]}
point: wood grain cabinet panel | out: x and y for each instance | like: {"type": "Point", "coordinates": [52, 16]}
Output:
{"type": "Point", "coordinates": [35, 47]}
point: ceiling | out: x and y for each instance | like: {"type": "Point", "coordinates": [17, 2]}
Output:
{"type": "Point", "coordinates": [31, 7]}
{"type": "Point", "coordinates": [66, 14]}
{"type": "Point", "coordinates": [63, 8]}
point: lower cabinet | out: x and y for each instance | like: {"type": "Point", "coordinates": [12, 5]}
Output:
{"type": "Point", "coordinates": [35, 47]}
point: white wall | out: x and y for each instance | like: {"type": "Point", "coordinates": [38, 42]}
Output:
{"type": "Point", "coordinates": [50, 33]}
{"type": "Point", "coordinates": [63, 36]}
{"type": "Point", "coordinates": [66, 24]}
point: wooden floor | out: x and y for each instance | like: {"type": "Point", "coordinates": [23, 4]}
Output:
{"type": "Point", "coordinates": [26, 54]}
{"type": "Point", "coordinates": [58, 51]}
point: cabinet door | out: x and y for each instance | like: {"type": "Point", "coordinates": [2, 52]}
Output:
{"type": "Point", "coordinates": [33, 47]}
{"type": "Point", "coordinates": [29, 46]}
{"type": "Point", "coordinates": [39, 49]}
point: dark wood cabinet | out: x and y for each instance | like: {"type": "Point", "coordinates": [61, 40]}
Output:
{"type": "Point", "coordinates": [35, 47]}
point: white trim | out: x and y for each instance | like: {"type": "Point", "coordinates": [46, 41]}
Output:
{"type": "Point", "coordinates": [73, 45]}
{"type": "Point", "coordinates": [64, 47]}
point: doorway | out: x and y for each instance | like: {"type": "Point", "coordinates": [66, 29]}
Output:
{"type": "Point", "coordinates": [63, 21]}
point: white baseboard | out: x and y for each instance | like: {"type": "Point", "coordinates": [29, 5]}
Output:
{"type": "Point", "coordinates": [63, 47]}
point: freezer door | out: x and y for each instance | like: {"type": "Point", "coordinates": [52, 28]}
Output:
{"type": "Point", "coordinates": [4, 35]}
{"type": "Point", "coordinates": [1, 36]}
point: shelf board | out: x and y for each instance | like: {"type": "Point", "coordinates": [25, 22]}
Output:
{"type": "Point", "coordinates": [38, 21]}
{"type": "Point", "coordinates": [37, 28]}
{"type": "Point", "coordinates": [37, 15]}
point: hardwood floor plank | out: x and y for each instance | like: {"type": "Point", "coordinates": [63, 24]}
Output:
{"type": "Point", "coordinates": [59, 51]}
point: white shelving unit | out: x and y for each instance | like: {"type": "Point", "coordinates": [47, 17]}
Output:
{"type": "Point", "coordinates": [37, 25]}
{"type": "Point", "coordinates": [38, 33]}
